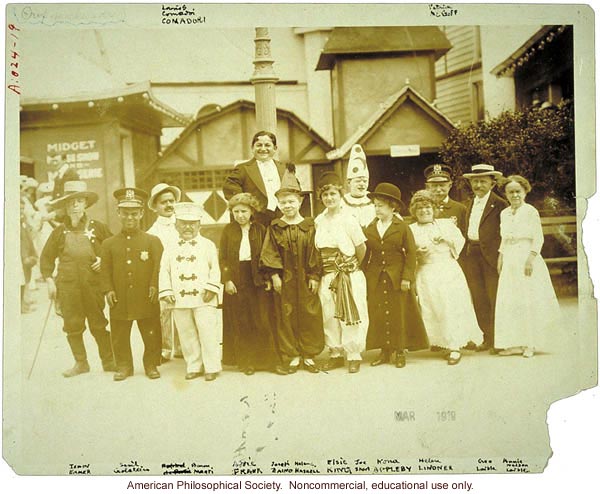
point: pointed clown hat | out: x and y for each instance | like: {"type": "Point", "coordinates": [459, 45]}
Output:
{"type": "Point", "coordinates": [357, 164]}
{"type": "Point", "coordinates": [289, 181]}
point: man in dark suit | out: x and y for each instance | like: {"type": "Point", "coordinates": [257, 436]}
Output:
{"type": "Point", "coordinates": [438, 181]}
{"type": "Point", "coordinates": [130, 266]}
{"type": "Point", "coordinates": [260, 176]}
{"type": "Point", "coordinates": [480, 256]}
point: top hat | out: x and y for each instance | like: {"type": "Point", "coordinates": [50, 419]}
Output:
{"type": "Point", "coordinates": [74, 189]}
{"type": "Point", "coordinates": [387, 191]}
{"type": "Point", "coordinates": [482, 170]}
{"type": "Point", "coordinates": [130, 197]}
{"type": "Point", "coordinates": [188, 211]}
{"type": "Point", "coordinates": [158, 189]}
{"type": "Point", "coordinates": [357, 163]}
{"type": "Point", "coordinates": [438, 173]}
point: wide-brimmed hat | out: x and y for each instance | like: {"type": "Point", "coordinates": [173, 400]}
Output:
{"type": "Point", "coordinates": [74, 189]}
{"type": "Point", "coordinates": [130, 197]}
{"type": "Point", "coordinates": [188, 211]}
{"type": "Point", "coordinates": [385, 190]}
{"type": "Point", "coordinates": [161, 188]}
{"type": "Point", "coordinates": [482, 170]}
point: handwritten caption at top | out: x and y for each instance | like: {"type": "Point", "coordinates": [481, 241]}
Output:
{"type": "Point", "coordinates": [180, 14]}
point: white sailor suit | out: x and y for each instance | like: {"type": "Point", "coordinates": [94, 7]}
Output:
{"type": "Point", "coordinates": [188, 268]}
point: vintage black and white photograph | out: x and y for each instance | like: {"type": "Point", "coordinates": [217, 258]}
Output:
{"type": "Point", "coordinates": [327, 241]}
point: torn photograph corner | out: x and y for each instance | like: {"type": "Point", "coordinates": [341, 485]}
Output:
{"type": "Point", "coordinates": [324, 242]}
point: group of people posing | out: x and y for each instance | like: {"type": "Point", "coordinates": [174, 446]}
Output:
{"type": "Point", "coordinates": [356, 277]}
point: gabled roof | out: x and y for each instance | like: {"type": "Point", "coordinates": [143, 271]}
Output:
{"type": "Point", "coordinates": [210, 112]}
{"type": "Point", "coordinates": [383, 39]}
{"type": "Point", "coordinates": [385, 111]}
{"type": "Point", "coordinates": [132, 94]}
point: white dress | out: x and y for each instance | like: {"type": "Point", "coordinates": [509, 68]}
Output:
{"type": "Point", "coordinates": [525, 305]}
{"type": "Point", "coordinates": [342, 232]}
{"type": "Point", "coordinates": [442, 289]}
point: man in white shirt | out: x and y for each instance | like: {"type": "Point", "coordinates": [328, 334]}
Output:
{"type": "Point", "coordinates": [260, 176]}
{"type": "Point", "coordinates": [480, 255]}
{"type": "Point", "coordinates": [162, 201]}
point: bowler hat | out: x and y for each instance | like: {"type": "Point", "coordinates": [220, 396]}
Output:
{"type": "Point", "coordinates": [386, 190]}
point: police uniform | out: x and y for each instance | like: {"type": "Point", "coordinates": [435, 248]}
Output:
{"type": "Point", "coordinates": [448, 208]}
{"type": "Point", "coordinates": [188, 269]}
{"type": "Point", "coordinates": [79, 294]}
{"type": "Point", "coordinates": [130, 265]}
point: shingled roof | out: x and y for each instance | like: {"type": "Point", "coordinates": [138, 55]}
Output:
{"type": "Point", "coordinates": [376, 40]}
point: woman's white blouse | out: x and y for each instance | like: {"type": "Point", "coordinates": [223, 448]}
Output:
{"type": "Point", "coordinates": [341, 232]}
{"type": "Point", "coordinates": [522, 225]}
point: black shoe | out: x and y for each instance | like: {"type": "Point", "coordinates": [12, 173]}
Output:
{"type": "Point", "coordinates": [78, 368]}
{"type": "Point", "coordinates": [192, 375]}
{"type": "Point", "coordinates": [353, 366]}
{"type": "Point", "coordinates": [494, 350]}
{"type": "Point", "coordinates": [249, 371]}
{"type": "Point", "coordinates": [333, 363]}
{"type": "Point", "coordinates": [383, 358]}
{"type": "Point", "coordinates": [210, 376]}
{"type": "Point", "coordinates": [280, 370]}
{"type": "Point", "coordinates": [292, 369]}
{"type": "Point", "coordinates": [435, 348]}
{"type": "Point", "coordinates": [153, 373]}
{"type": "Point", "coordinates": [484, 347]}
{"type": "Point", "coordinates": [312, 368]}
{"type": "Point", "coordinates": [470, 346]}
{"type": "Point", "coordinates": [400, 360]}
{"type": "Point", "coordinates": [121, 375]}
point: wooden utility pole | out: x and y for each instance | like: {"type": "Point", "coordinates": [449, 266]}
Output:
{"type": "Point", "coordinates": [264, 80]}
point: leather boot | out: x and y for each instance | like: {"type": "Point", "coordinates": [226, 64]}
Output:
{"type": "Point", "coordinates": [78, 349]}
{"type": "Point", "coordinates": [78, 368]}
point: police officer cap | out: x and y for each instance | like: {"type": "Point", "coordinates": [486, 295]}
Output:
{"type": "Point", "coordinates": [130, 197]}
{"type": "Point", "coordinates": [438, 173]}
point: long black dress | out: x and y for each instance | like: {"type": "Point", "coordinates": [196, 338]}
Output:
{"type": "Point", "coordinates": [395, 321]}
{"type": "Point", "coordinates": [248, 338]}
{"type": "Point", "coordinates": [290, 251]}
